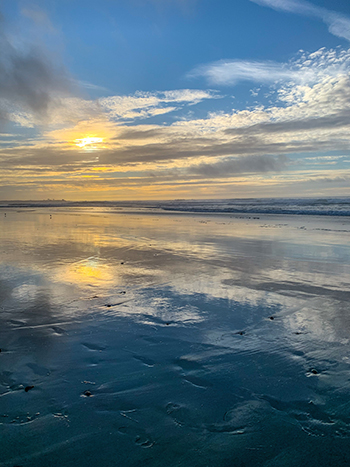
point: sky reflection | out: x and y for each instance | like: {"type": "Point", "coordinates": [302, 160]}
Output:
{"type": "Point", "coordinates": [215, 329]}
{"type": "Point", "coordinates": [75, 256]}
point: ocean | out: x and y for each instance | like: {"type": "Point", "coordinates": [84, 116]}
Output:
{"type": "Point", "coordinates": [336, 206]}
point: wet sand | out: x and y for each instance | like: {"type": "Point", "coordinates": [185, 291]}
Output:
{"type": "Point", "coordinates": [178, 340]}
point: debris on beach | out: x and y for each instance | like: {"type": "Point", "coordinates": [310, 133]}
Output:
{"type": "Point", "coordinates": [109, 305]}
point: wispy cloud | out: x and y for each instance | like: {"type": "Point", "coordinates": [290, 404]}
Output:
{"type": "Point", "coordinates": [87, 85]}
{"type": "Point", "coordinates": [148, 104]}
{"type": "Point", "coordinates": [139, 106]}
{"type": "Point", "coordinates": [338, 23]}
{"type": "Point", "coordinates": [302, 70]}
{"type": "Point", "coordinates": [30, 80]}
{"type": "Point", "coordinates": [305, 69]}
{"type": "Point", "coordinates": [261, 146]}
{"type": "Point", "coordinates": [40, 18]}
{"type": "Point", "coordinates": [230, 72]}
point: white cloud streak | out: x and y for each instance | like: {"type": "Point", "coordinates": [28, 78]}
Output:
{"type": "Point", "coordinates": [338, 24]}
{"type": "Point", "coordinates": [306, 69]}
{"type": "Point", "coordinates": [231, 72]}
{"type": "Point", "coordinates": [149, 104]}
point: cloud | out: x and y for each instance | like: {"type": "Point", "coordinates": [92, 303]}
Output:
{"type": "Point", "coordinates": [36, 88]}
{"type": "Point", "coordinates": [30, 81]}
{"type": "Point", "coordinates": [87, 85]}
{"type": "Point", "coordinates": [312, 117]}
{"type": "Point", "coordinates": [138, 106]}
{"type": "Point", "coordinates": [338, 24]}
{"type": "Point", "coordinates": [230, 72]}
{"type": "Point", "coordinates": [40, 18]}
{"type": "Point", "coordinates": [149, 104]}
{"type": "Point", "coordinates": [62, 110]}
{"type": "Point", "coordinates": [261, 146]}
{"type": "Point", "coordinates": [304, 69]}
{"type": "Point", "coordinates": [241, 165]}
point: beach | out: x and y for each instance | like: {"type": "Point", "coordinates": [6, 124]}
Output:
{"type": "Point", "coordinates": [178, 339]}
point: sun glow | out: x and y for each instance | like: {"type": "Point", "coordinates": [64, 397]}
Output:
{"type": "Point", "coordinates": [89, 142]}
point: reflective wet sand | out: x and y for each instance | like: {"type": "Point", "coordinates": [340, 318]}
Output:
{"type": "Point", "coordinates": [148, 339]}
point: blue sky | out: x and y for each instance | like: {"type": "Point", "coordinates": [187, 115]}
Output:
{"type": "Point", "coordinates": [174, 98]}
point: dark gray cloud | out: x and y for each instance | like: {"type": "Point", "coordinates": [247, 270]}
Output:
{"type": "Point", "coordinates": [30, 80]}
{"type": "Point", "coordinates": [248, 164]}
{"type": "Point", "coordinates": [338, 179]}
{"type": "Point", "coordinates": [338, 120]}
{"type": "Point", "coordinates": [132, 134]}
{"type": "Point", "coordinates": [43, 157]}
{"type": "Point", "coordinates": [195, 147]}
{"type": "Point", "coordinates": [244, 147]}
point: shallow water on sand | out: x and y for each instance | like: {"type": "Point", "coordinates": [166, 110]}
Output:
{"type": "Point", "coordinates": [178, 340]}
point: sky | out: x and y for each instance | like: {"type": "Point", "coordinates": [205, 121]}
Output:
{"type": "Point", "coordinates": [168, 99]}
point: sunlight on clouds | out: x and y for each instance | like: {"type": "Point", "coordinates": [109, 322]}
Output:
{"type": "Point", "coordinates": [89, 142]}
{"type": "Point", "coordinates": [224, 153]}
{"type": "Point", "coordinates": [89, 134]}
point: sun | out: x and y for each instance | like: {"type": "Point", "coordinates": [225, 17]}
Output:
{"type": "Point", "coordinates": [89, 142]}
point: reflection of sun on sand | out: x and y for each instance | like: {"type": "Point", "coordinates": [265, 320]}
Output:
{"type": "Point", "coordinates": [88, 272]}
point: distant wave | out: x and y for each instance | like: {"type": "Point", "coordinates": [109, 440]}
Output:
{"type": "Point", "coordinates": [335, 206]}
{"type": "Point", "coordinates": [301, 206]}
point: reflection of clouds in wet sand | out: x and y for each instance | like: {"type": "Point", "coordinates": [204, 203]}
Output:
{"type": "Point", "coordinates": [232, 260]}
{"type": "Point", "coordinates": [144, 335]}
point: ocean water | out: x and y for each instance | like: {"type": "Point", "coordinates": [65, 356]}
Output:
{"type": "Point", "coordinates": [336, 206]}
{"type": "Point", "coordinates": [188, 339]}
